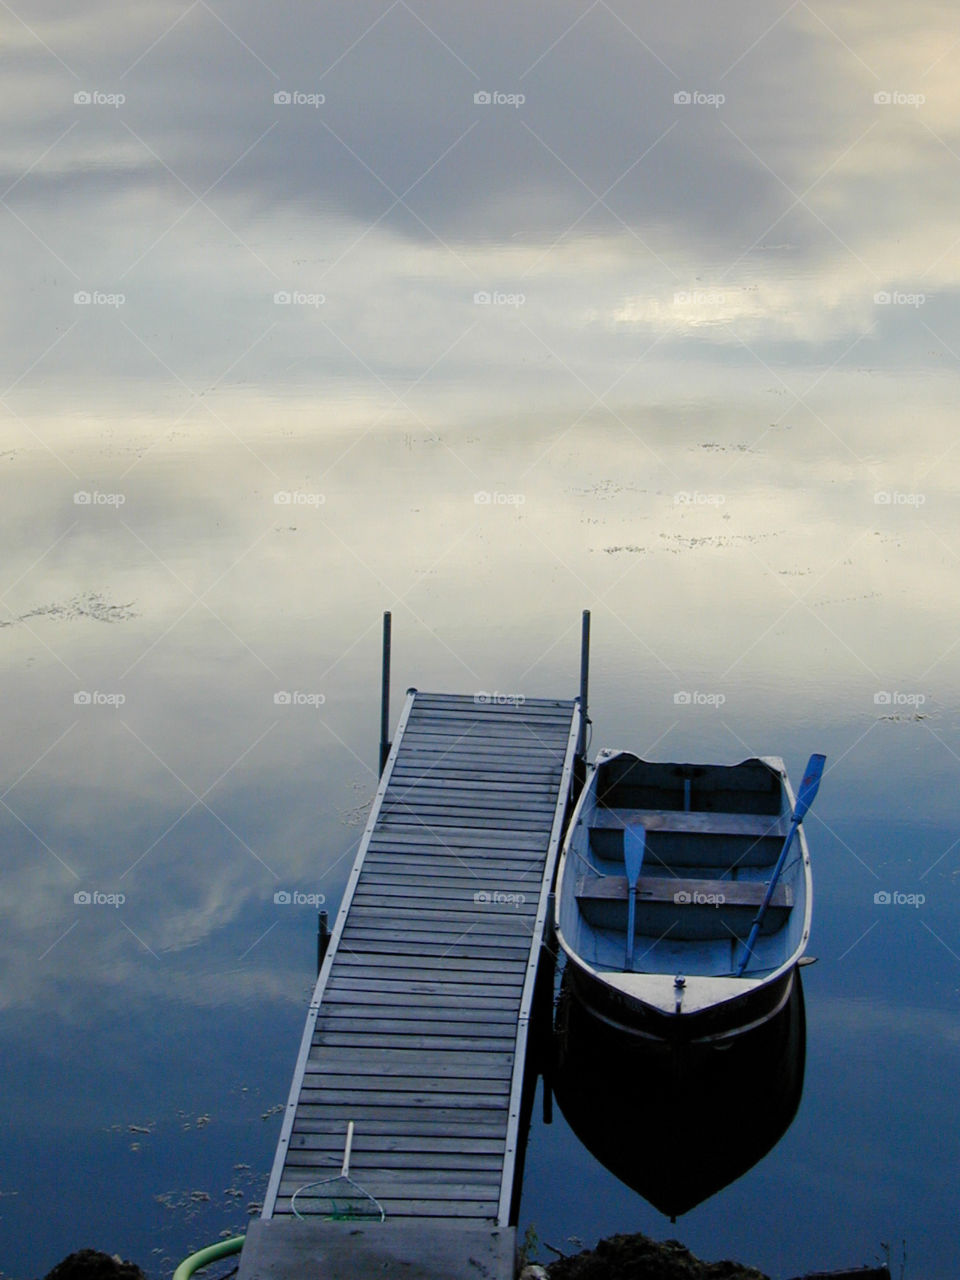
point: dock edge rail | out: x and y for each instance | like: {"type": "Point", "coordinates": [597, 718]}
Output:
{"type": "Point", "coordinates": [533, 964]}
{"type": "Point", "coordinates": [279, 1160]}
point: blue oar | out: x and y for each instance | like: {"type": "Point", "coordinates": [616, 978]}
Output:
{"type": "Point", "coordinates": [634, 838]}
{"type": "Point", "coordinates": [808, 789]}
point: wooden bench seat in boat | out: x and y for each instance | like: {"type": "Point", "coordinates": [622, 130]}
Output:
{"type": "Point", "coordinates": [679, 838]}
{"type": "Point", "coordinates": [682, 908]}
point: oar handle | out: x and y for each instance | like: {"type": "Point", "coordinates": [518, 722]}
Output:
{"type": "Point", "coordinates": [347, 1147]}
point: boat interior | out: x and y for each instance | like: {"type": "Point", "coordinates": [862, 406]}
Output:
{"type": "Point", "coordinates": [711, 835]}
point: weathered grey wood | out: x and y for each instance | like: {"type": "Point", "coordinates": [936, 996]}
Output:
{"type": "Point", "coordinates": [456, 1166]}
{"type": "Point", "coordinates": [726, 824]}
{"type": "Point", "coordinates": [401, 1249]}
{"type": "Point", "coordinates": [391, 1152]}
{"type": "Point", "coordinates": [475, 1210]}
{"type": "Point", "coordinates": [413, 1032]}
{"type": "Point", "coordinates": [448, 1062]}
{"type": "Point", "coordinates": [503, 800]}
{"type": "Point", "coordinates": [741, 893]}
{"type": "Point", "coordinates": [355, 1040]}
{"type": "Point", "coordinates": [454, 867]}
{"type": "Point", "coordinates": [469, 946]}
{"type": "Point", "coordinates": [382, 1116]}
{"type": "Point", "coordinates": [417, 833]}
{"type": "Point", "coordinates": [379, 1135]}
{"type": "Point", "coordinates": [451, 973]}
{"type": "Point", "coordinates": [418, 1182]}
{"type": "Point", "coordinates": [410, 1097]}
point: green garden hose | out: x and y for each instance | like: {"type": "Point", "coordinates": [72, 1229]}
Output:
{"type": "Point", "coordinates": [213, 1252]}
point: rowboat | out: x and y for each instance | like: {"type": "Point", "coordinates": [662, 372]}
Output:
{"type": "Point", "coordinates": [702, 945]}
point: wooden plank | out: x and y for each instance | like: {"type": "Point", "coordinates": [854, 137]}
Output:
{"type": "Point", "coordinates": [417, 834]}
{"type": "Point", "coordinates": [455, 1165]}
{"type": "Point", "coordinates": [368, 983]}
{"type": "Point", "coordinates": [420, 1182]}
{"type": "Point", "coordinates": [671, 889]}
{"type": "Point", "coordinates": [492, 1001]}
{"type": "Point", "coordinates": [351, 1022]}
{"type": "Point", "coordinates": [384, 937]}
{"type": "Point", "coordinates": [387, 1117]}
{"type": "Point", "coordinates": [508, 747]}
{"type": "Point", "coordinates": [468, 784]}
{"type": "Point", "coordinates": [408, 1098]}
{"type": "Point", "coordinates": [456, 775]}
{"type": "Point", "coordinates": [727, 824]}
{"type": "Point", "coordinates": [476, 898]}
{"type": "Point", "coordinates": [359, 1040]}
{"type": "Point", "coordinates": [463, 1087]}
{"type": "Point", "coordinates": [384, 911]}
{"type": "Point", "coordinates": [389, 1020]}
{"type": "Point", "coordinates": [386, 942]}
{"type": "Point", "coordinates": [414, 966]}
{"type": "Point", "coordinates": [462, 880]}
{"type": "Point", "coordinates": [550, 726]}
{"type": "Point", "coordinates": [361, 967]}
{"type": "Point", "coordinates": [370, 1060]}
{"type": "Point", "coordinates": [438, 817]}
{"type": "Point", "coordinates": [436, 865]}
{"type": "Point", "coordinates": [466, 1211]}
{"type": "Point", "coordinates": [403, 1145]}
{"type": "Point", "coordinates": [430, 708]}
{"type": "Point", "coordinates": [450, 1009]}
{"type": "Point", "coordinates": [424, 794]}
{"type": "Point", "coordinates": [424, 859]}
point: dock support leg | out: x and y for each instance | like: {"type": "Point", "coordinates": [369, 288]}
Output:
{"type": "Point", "coordinates": [581, 757]}
{"type": "Point", "coordinates": [385, 694]}
{"type": "Point", "coordinates": [323, 938]}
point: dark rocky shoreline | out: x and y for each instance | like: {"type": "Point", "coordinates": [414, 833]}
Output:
{"type": "Point", "coordinates": [621, 1257]}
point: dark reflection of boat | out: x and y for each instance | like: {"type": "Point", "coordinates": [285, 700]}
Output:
{"type": "Point", "coordinates": [677, 1122]}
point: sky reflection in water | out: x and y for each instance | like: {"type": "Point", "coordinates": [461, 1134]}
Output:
{"type": "Point", "coordinates": [711, 397]}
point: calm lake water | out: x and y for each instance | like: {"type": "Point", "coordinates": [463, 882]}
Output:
{"type": "Point", "coordinates": [674, 338]}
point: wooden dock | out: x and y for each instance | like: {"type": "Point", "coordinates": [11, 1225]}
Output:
{"type": "Point", "coordinates": [417, 1029]}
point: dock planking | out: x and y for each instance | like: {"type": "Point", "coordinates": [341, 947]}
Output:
{"type": "Point", "coordinates": [417, 1029]}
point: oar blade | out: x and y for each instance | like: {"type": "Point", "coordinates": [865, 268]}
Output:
{"type": "Point", "coordinates": [634, 846]}
{"type": "Point", "coordinates": [809, 785]}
